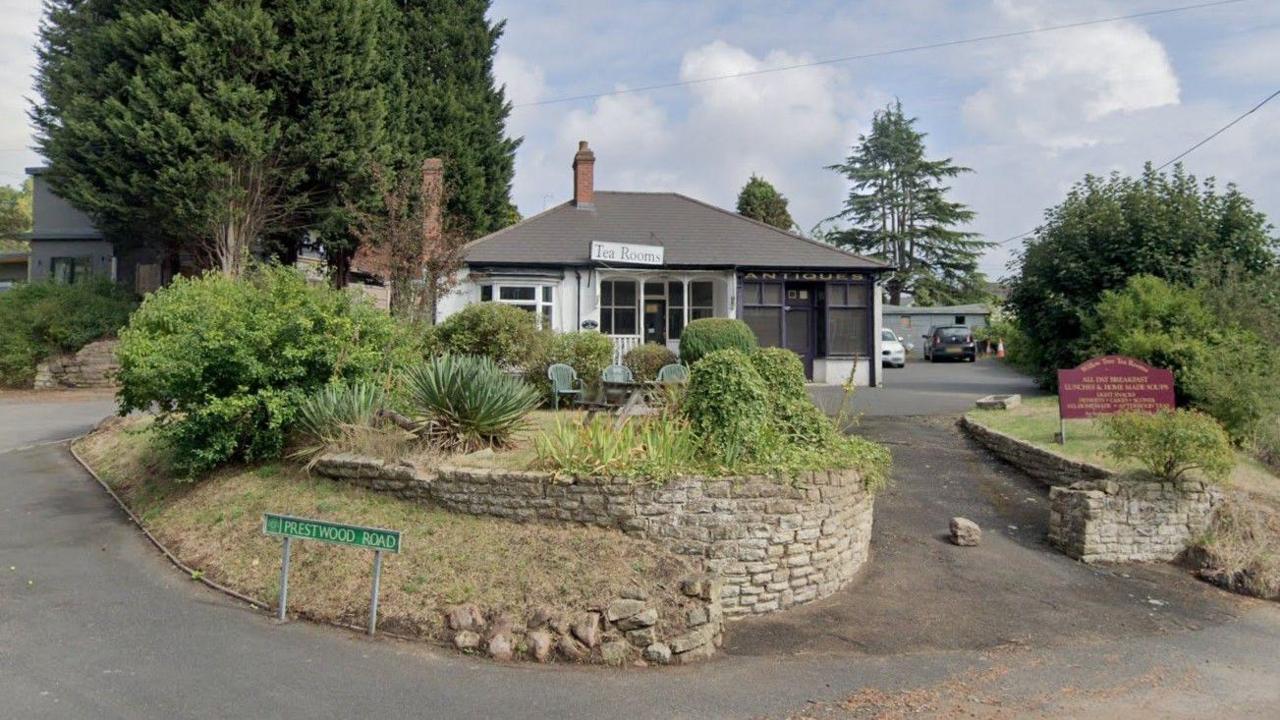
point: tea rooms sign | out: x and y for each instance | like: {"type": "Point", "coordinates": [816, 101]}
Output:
{"type": "Point", "coordinates": [609, 252]}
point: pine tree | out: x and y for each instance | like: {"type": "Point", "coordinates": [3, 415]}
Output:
{"type": "Point", "coordinates": [452, 109]}
{"type": "Point", "coordinates": [205, 127]}
{"type": "Point", "coordinates": [760, 200]}
{"type": "Point", "coordinates": [899, 210]}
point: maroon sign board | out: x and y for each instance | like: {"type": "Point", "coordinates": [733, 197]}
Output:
{"type": "Point", "coordinates": [1112, 384]}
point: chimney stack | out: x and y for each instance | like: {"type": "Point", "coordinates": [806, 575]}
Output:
{"type": "Point", "coordinates": [584, 176]}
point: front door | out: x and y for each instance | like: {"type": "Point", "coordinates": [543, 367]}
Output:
{"type": "Point", "coordinates": [655, 321]}
{"type": "Point", "coordinates": [799, 319]}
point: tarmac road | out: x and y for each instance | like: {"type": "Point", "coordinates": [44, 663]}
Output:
{"type": "Point", "coordinates": [95, 624]}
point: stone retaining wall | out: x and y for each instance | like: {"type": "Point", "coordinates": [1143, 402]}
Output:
{"type": "Point", "coordinates": [1043, 465]}
{"type": "Point", "coordinates": [774, 544]}
{"type": "Point", "coordinates": [93, 366]}
{"type": "Point", "coordinates": [1096, 515]}
{"type": "Point", "coordinates": [1130, 520]}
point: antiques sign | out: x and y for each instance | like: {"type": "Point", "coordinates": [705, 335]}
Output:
{"type": "Point", "coordinates": [1113, 384]}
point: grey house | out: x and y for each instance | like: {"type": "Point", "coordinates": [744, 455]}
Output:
{"type": "Point", "coordinates": [66, 247]}
{"type": "Point", "coordinates": [639, 266]}
{"type": "Point", "coordinates": [912, 323]}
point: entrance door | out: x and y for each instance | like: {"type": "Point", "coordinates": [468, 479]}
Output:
{"type": "Point", "coordinates": [799, 320]}
{"type": "Point", "coordinates": [655, 321]}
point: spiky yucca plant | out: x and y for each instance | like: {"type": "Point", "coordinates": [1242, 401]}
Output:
{"type": "Point", "coordinates": [468, 402]}
{"type": "Point", "coordinates": [333, 412]}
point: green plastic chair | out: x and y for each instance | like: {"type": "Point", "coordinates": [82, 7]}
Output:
{"type": "Point", "coordinates": [617, 374]}
{"type": "Point", "coordinates": [673, 373]}
{"type": "Point", "coordinates": [564, 381]}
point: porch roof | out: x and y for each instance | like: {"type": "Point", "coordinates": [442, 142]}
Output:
{"type": "Point", "coordinates": [693, 233]}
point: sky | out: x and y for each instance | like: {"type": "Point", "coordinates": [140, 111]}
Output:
{"type": "Point", "coordinates": [1029, 115]}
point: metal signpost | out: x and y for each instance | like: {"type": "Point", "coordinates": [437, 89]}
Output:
{"type": "Point", "coordinates": [376, 539]}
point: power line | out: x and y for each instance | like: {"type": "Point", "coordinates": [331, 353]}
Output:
{"type": "Point", "coordinates": [1186, 152]}
{"type": "Point", "coordinates": [883, 53]}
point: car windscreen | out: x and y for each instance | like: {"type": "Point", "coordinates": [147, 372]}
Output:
{"type": "Point", "coordinates": [952, 334]}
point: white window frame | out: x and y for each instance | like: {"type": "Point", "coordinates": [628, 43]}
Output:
{"type": "Point", "coordinates": [543, 302]}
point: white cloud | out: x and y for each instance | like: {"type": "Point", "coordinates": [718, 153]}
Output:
{"type": "Point", "coordinates": [17, 57]}
{"type": "Point", "coordinates": [784, 126]}
{"type": "Point", "coordinates": [1053, 89]}
{"type": "Point", "coordinates": [524, 81]}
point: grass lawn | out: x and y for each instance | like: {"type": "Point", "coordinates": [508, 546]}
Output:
{"type": "Point", "coordinates": [215, 526]}
{"type": "Point", "coordinates": [1036, 421]}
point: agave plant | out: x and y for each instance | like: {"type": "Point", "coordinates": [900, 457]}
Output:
{"type": "Point", "coordinates": [333, 412]}
{"type": "Point", "coordinates": [468, 402]}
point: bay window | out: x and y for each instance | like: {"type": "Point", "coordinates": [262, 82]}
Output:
{"type": "Point", "coordinates": [537, 299]}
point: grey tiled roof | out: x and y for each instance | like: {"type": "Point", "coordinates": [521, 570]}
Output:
{"type": "Point", "coordinates": [694, 234]}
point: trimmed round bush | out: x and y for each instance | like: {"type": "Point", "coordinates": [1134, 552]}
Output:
{"type": "Point", "coordinates": [782, 371]}
{"type": "Point", "coordinates": [703, 337]}
{"type": "Point", "coordinates": [588, 352]}
{"type": "Point", "coordinates": [228, 362]}
{"type": "Point", "coordinates": [646, 360]}
{"type": "Point", "coordinates": [503, 333]}
{"type": "Point", "coordinates": [726, 404]}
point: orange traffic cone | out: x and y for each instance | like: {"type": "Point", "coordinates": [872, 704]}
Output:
{"type": "Point", "coordinates": [1000, 348]}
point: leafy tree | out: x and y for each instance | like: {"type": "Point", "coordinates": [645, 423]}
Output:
{"type": "Point", "coordinates": [207, 126]}
{"type": "Point", "coordinates": [760, 200]}
{"type": "Point", "coordinates": [899, 209]}
{"type": "Point", "coordinates": [15, 213]}
{"type": "Point", "coordinates": [450, 108]}
{"type": "Point", "coordinates": [1107, 230]}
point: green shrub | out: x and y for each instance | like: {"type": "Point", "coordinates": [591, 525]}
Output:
{"type": "Point", "coordinates": [42, 319]}
{"type": "Point", "coordinates": [503, 333]}
{"type": "Point", "coordinates": [703, 337]}
{"type": "Point", "coordinates": [588, 353]}
{"type": "Point", "coordinates": [326, 415]}
{"type": "Point", "coordinates": [646, 360]}
{"type": "Point", "coordinates": [227, 362]}
{"type": "Point", "coordinates": [468, 401]}
{"type": "Point", "coordinates": [782, 371]}
{"type": "Point", "coordinates": [726, 405]}
{"type": "Point", "coordinates": [656, 449]}
{"type": "Point", "coordinates": [1171, 443]}
{"type": "Point", "coordinates": [1266, 443]}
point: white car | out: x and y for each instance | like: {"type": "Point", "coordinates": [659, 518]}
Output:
{"type": "Point", "coordinates": [893, 351]}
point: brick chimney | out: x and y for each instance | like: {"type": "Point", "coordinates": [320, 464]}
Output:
{"type": "Point", "coordinates": [433, 187]}
{"type": "Point", "coordinates": [584, 176]}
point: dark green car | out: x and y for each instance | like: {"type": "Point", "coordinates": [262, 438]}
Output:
{"type": "Point", "coordinates": [950, 342]}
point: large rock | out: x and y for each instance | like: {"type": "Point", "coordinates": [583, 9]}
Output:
{"type": "Point", "coordinates": [540, 645]}
{"type": "Point", "coordinates": [465, 617]}
{"type": "Point", "coordinates": [587, 629]}
{"type": "Point", "coordinates": [965, 532]}
{"type": "Point", "coordinates": [572, 649]}
{"type": "Point", "coordinates": [615, 652]}
{"type": "Point", "coordinates": [466, 640]}
{"type": "Point", "coordinates": [501, 647]}
{"type": "Point", "coordinates": [658, 653]}
{"type": "Point", "coordinates": [623, 608]}
{"type": "Point", "coordinates": [643, 619]}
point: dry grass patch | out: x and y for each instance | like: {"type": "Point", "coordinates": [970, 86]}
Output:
{"type": "Point", "coordinates": [1242, 551]}
{"type": "Point", "coordinates": [215, 526]}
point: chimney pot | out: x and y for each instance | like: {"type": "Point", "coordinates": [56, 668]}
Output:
{"type": "Point", "coordinates": [584, 176]}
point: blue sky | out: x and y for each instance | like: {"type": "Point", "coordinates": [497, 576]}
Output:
{"type": "Point", "coordinates": [1030, 115]}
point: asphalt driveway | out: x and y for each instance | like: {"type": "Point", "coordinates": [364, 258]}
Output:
{"type": "Point", "coordinates": [925, 388]}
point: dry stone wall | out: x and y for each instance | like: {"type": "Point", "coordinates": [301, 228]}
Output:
{"type": "Point", "coordinates": [1130, 520]}
{"type": "Point", "coordinates": [774, 544]}
{"type": "Point", "coordinates": [1096, 515]}
{"type": "Point", "coordinates": [93, 366]}
{"type": "Point", "coordinates": [1047, 467]}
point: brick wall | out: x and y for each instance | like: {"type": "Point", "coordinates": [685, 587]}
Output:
{"type": "Point", "coordinates": [773, 543]}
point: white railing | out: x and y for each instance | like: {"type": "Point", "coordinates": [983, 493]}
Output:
{"type": "Point", "coordinates": [621, 344]}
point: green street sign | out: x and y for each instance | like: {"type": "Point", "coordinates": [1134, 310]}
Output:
{"type": "Point", "coordinates": [336, 533]}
